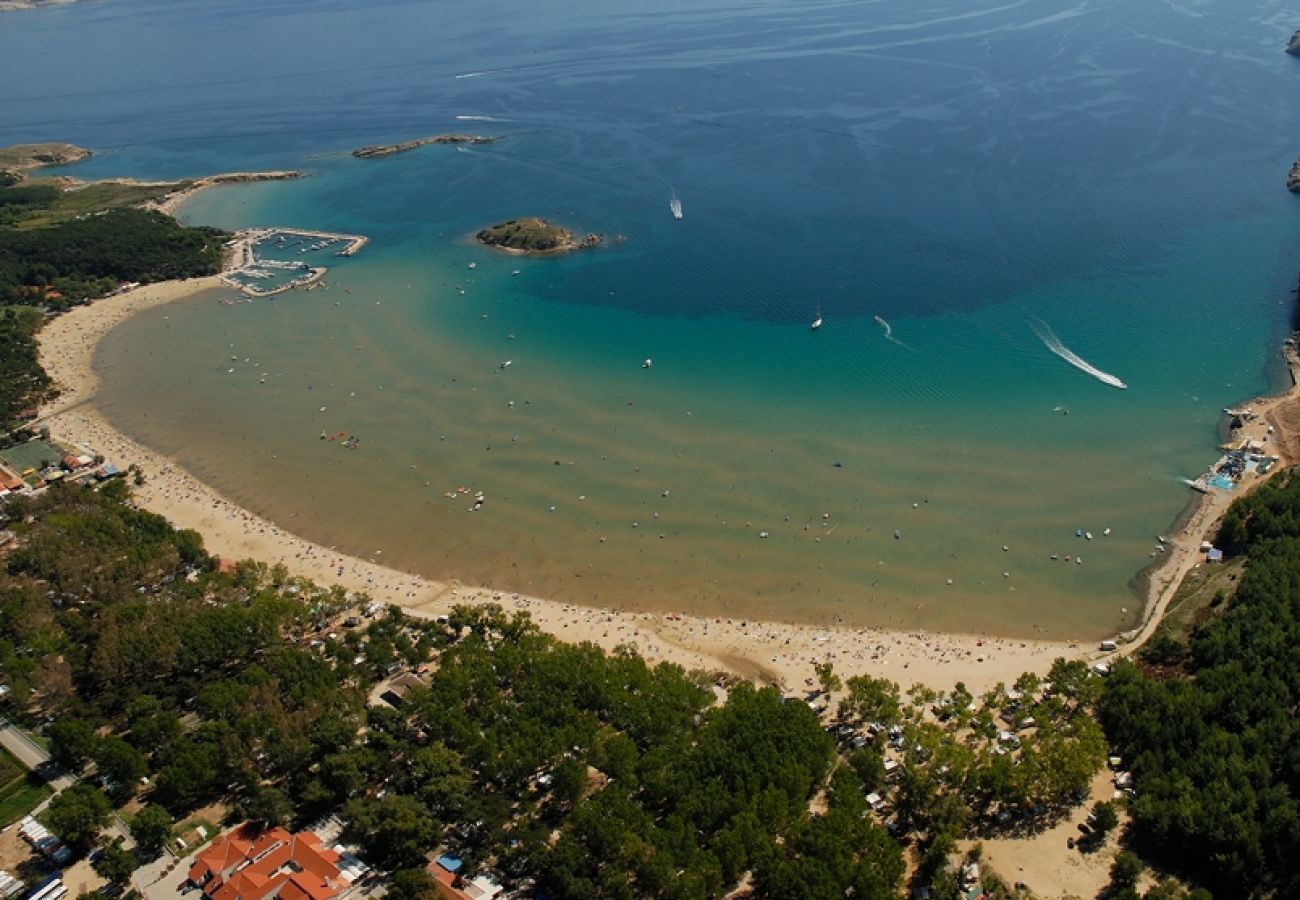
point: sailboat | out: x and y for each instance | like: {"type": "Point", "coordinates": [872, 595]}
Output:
{"type": "Point", "coordinates": [675, 205]}
{"type": "Point", "coordinates": [817, 322]}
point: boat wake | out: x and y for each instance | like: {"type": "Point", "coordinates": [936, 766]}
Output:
{"type": "Point", "coordinates": [675, 204]}
{"type": "Point", "coordinates": [479, 118]}
{"type": "Point", "coordinates": [473, 74]}
{"type": "Point", "coordinates": [889, 333]}
{"type": "Point", "coordinates": [1053, 343]}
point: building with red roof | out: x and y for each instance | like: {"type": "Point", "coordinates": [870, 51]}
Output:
{"type": "Point", "coordinates": [247, 864]}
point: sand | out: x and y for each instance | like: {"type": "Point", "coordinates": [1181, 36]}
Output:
{"type": "Point", "coordinates": [778, 653]}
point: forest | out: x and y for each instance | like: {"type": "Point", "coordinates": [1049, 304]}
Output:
{"type": "Point", "coordinates": [56, 264]}
{"type": "Point", "coordinates": [1213, 742]}
{"type": "Point", "coordinates": [23, 381]}
{"type": "Point", "coordinates": [581, 773]}
{"type": "Point", "coordinates": [86, 257]}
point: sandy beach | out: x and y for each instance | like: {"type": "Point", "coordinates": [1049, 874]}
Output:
{"type": "Point", "coordinates": [780, 653]}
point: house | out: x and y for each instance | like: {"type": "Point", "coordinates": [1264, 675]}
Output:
{"type": "Point", "coordinates": [248, 864]}
{"type": "Point", "coordinates": [395, 694]}
{"type": "Point", "coordinates": [452, 885]}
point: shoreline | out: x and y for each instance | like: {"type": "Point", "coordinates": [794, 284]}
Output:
{"type": "Point", "coordinates": [763, 651]}
{"type": "Point", "coordinates": [779, 653]}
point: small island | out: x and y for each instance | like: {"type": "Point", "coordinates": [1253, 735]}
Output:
{"type": "Point", "coordinates": [390, 149]}
{"type": "Point", "coordinates": [1293, 179]}
{"type": "Point", "coordinates": [536, 237]}
{"type": "Point", "coordinates": [1294, 47]}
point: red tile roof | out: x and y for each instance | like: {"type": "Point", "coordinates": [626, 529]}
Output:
{"type": "Point", "coordinates": [246, 865]}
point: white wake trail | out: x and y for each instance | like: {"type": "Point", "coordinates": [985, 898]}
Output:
{"type": "Point", "coordinates": [1053, 343]}
{"type": "Point", "coordinates": [889, 334]}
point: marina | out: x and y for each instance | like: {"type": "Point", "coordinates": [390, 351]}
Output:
{"type": "Point", "coordinates": [260, 268]}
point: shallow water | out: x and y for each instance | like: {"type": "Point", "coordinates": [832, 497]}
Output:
{"type": "Point", "coordinates": [961, 171]}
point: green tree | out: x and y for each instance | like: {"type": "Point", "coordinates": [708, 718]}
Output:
{"type": "Point", "coordinates": [569, 779]}
{"type": "Point", "coordinates": [1125, 870]}
{"type": "Point", "coordinates": [1104, 818]}
{"type": "Point", "coordinates": [826, 677]}
{"type": "Point", "coordinates": [121, 764]}
{"type": "Point", "coordinates": [77, 814]}
{"type": "Point", "coordinates": [395, 831]}
{"type": "Point", "coordinates": [872, 700]}
{"type": "Point", "coordinates": [267, 806]}
{"type": "Point", "coordinates": [412, 884]}
{"type": "Point", "coordinates": [114, 863]}
{"type": "Point", "coordinates": [73, 743]}
{"type": "Point", "coordinates": [151, 828]}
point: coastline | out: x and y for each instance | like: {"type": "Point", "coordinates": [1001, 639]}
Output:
{"type": "Point", "coordinates": [777, 653]}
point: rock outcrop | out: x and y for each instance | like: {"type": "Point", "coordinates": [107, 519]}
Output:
{"type": "Point", "coordinates": [536, 237]}
{"type": "Point", "coordinates": [1293, 179]}
{"type": "Point", "coordinates": [1294, 47]}
{"type": "Point", "coordinates": [390, 149]}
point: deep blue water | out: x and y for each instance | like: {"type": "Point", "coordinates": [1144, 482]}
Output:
{"type": "Point", "coordinates": [955, 168]}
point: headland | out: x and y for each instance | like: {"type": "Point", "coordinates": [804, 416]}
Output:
{"type": "Point", "coordinates": [20, 157]}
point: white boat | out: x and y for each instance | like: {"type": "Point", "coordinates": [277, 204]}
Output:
{"type": "Point", "coordinates": [817, 322]}
{"type": "Point", "coordinates": [675, 205]}
{"type": "Point", "coordinates": [473, 265]}
{"type": "Point", "coordinates": [648, 363]}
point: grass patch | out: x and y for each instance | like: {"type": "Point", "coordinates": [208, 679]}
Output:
{"type": "Point", "coordinates": [19, 795]}
{"type": "Point", "coordinates": [93, 198]}
{"type": "Point", "coordinates": [10, 768]}
{"type": "Point", "coordinates": [1195, 602]}
{"type": "Point", "coordinates": [188, 831]}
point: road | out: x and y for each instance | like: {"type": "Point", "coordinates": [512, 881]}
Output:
{"type": "Point", "coordinates": [37, 758]}
{"type": "Point", "coordinates": [34, 756]}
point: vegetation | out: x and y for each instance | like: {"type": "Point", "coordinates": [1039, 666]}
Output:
{"type": "Point", "coordinates": [85, 258]}
{"type": "Point", "coordinates": [19, 791]}
{"type": "Point", "coordinates": [77, 814]}
{"type": "Point", "coordinates": [590, 774]}
{"type": "Point", "coordinates": [27, 156]}
{"type": "Point", "coordinates": [23, 382]}
{"type": "Point", "coordinates": [1213, 745]}
{"type": "Point", "coordinates": [533, 235]}
{"type": "Point", "coordinates": [61, 247]}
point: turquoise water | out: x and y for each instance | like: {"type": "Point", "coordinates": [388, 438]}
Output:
{"type": "Point", "coordinates": [961, 171]}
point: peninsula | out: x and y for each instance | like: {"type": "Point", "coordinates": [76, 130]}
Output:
{"type": "Point", "coordinates": [535, 236]}
{"type": "Point", "coordinates": [389, 149]}
{"type": "Point", "coordinates": [32, 156]}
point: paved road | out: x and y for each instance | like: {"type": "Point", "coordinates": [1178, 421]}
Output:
{"type": "Point", "coordinates": [33, 756]}
{"type": "Point", "coordinates": [37, 758]}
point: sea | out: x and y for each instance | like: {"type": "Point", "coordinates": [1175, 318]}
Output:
{"type": "Point", "coordinates": [999, 209]}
